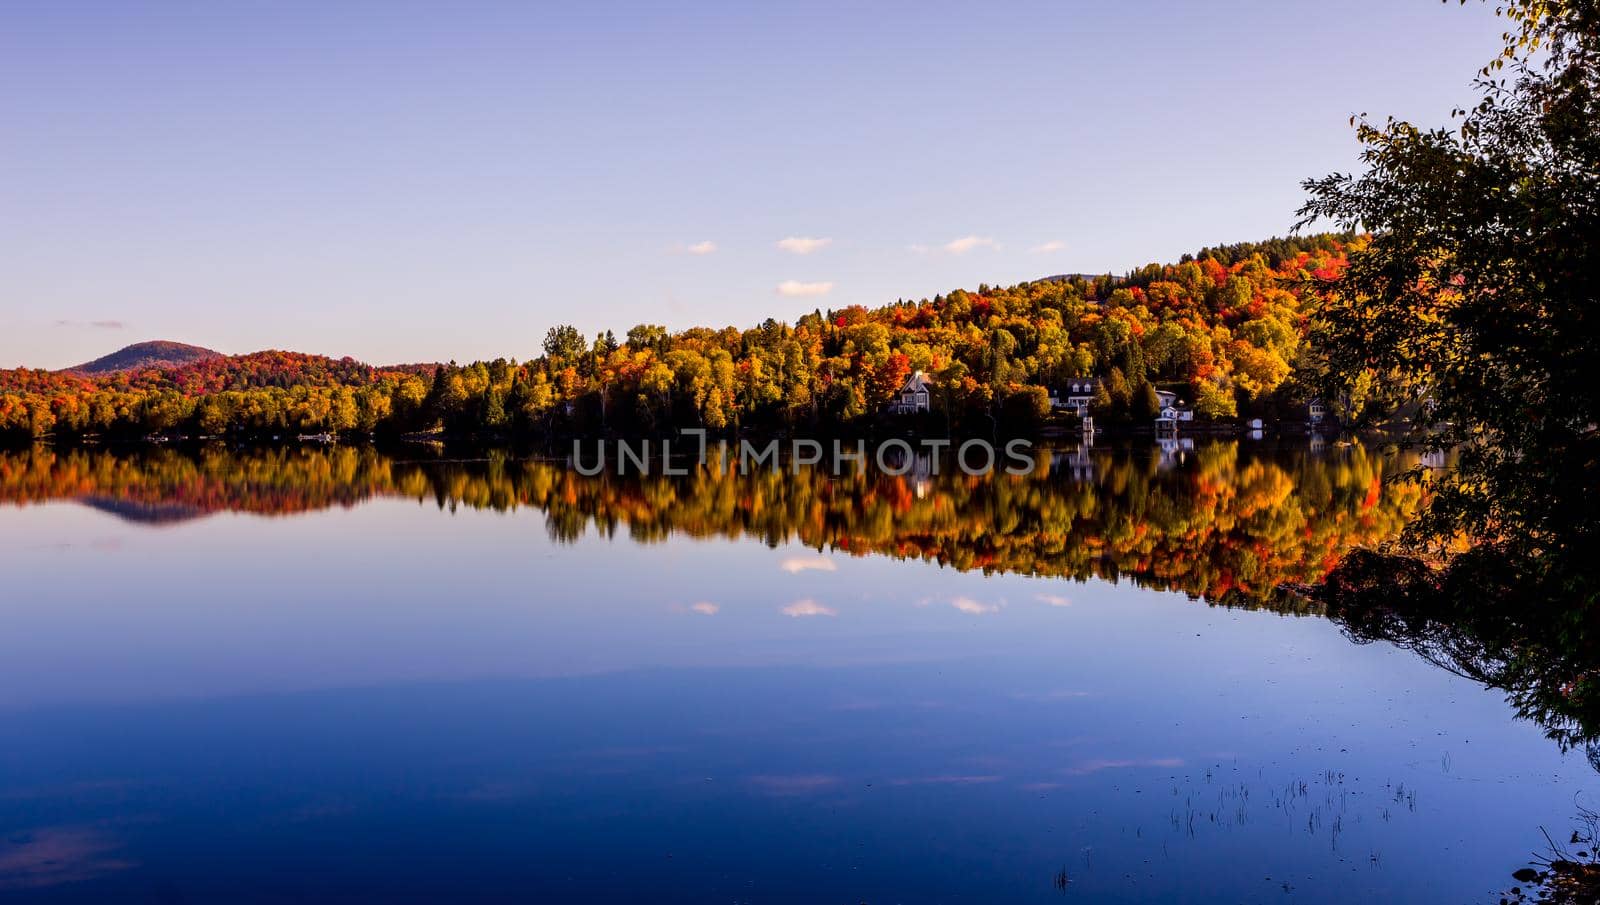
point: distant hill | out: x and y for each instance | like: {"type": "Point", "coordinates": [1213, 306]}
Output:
{"type": "Point", "coordinates": [268, 368]}
{"type": "Point", "coordinates": [1067, 277]}
{"type": "Point", "coordinates": [195, 371]}
{"type": "Point", "coordinates": [420, 368]}
{"type": "Point", "coordinates": [140, 356]}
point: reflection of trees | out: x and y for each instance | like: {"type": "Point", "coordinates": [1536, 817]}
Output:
{"type": "Point", "coordinates": [1480, 618]}
{"type": "Point", "coordinates": [267, 481]}
{"type": "Point", "coordinates": [1223, 524]}
{"type": "Point", "coordinates": [1469, 620]}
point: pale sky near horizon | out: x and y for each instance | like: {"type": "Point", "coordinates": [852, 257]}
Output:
{"type": "Point", "coordinates": [427, 181]}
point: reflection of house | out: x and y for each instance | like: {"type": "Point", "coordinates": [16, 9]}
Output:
{"type": "Point", "coordinates": [916, 395]}
{"type": "Point", "coordinates": [1174, 451]}
{"type": "Point", "coordinates": [1076, 396]}
{"type": "Point", "coordinates": [922, 470]}
{"type": "Point", "coordinates": [1077, 463]}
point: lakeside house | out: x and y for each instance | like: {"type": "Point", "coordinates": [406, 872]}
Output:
{"type": "Point", "coordinates": [1171, 415]}
{"type": "Point", "coordinates": [1076, 396]}
{"type": "Point", "coordinates": [1172, 411]}
{"type": "Point", "coordinates": [1316, 411]}
{"type": "Point", "coordinates": [916, 395]}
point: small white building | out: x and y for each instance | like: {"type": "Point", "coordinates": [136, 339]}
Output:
{"type": "Point", "coordinates": [1316, 412]}
{"type": "Point", "coordinates": [916, 395]}
{"type": "Point", "coordinates": [1170, 416]}
{"type": "Point", "coordinates": [1172, 411]}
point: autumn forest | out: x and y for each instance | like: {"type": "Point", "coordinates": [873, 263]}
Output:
{"type": "Point", "coordinates": [1224, 329]}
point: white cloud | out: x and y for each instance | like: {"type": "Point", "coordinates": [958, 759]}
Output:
{"type": "Point", "coordinates": [974, 607]}
{"type": "Point", "coordinates": [1052, 245]}
{"type": "Point", "coordinates": [794, 784]}
{"type": "Point", "coordinates": [797, 288]}
{"type": "Point", "coordinates": [1053, 599]}
{"type": "Point", "coordinates": [1050, 695]}
{"type": "Point", "coordinates": [796, 564]}
{"type": "Point", "coordinates": [808, 607]}
{"type": "Point", "coordinates": [967, 243]}
{"type": "Point", "coordinates": [946, 780]}
{"type": "Point", "coordinates": [1097, 765]}
{"type": "Point", "coordinates": [803, 245]}
{"type": "Point", "coordinates": [705, 608]}
{"type": "Point", "coordinates": [702, 248]}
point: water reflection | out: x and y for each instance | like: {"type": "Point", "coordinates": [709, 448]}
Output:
{"type": "Point", "coordinates": [1531, 651]}
{"type": "Point", "coordinates": [199, 704]}
{"type": "Point", "coordinates": [1222, 521]}
{"type": "Point", "coordinates": [1478, 620]}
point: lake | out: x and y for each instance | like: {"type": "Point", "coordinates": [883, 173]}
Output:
{"type": "Point", "coordinates": [355, 675]}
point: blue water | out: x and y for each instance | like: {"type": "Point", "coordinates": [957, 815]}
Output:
{"type": "Point", "coordinates": [397, 702]}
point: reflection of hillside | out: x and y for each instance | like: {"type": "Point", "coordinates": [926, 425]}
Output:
{"type": "Point", "coordinates": [1472, 621]}
{"type": "Point", "coordinates": [150, 513]}
{"type": "Point", "coordinates": [265, 482]}
{"type": "Point", "coordinates": [1219, 522]}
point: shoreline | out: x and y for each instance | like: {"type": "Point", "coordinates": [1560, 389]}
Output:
{"type": "Point", "coordinates": [1048, 438]}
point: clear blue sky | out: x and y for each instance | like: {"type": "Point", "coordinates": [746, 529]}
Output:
{"type": "Point", "coordinates": [420, 181]}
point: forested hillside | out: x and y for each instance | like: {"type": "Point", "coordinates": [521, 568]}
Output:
{"type": "Point", "coordinates": [1224, 328]}
{"type": "Point", "coordinates": [146, 355]}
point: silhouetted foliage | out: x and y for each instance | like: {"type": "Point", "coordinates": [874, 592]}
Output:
{"type": "Point", "coordinates": [1475, 301]}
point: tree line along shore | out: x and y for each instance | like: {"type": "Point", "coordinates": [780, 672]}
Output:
{"type": "Point", "coordinates": [1222, 335]}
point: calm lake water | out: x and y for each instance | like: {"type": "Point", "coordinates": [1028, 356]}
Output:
{"type": "Point", "coordinates": [353, 676]}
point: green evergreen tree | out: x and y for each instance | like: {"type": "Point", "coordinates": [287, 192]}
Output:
{"type": "Point", "coordinates": [1121, 394]}
{"type": "Point", "coordinates": [1146, 404]}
